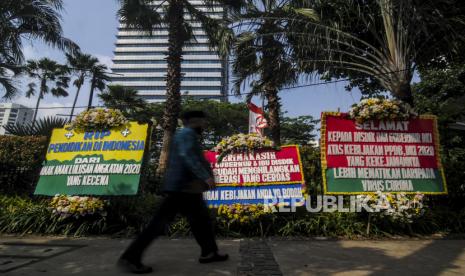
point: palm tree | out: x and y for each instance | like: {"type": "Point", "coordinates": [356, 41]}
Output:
{"type": "Point", "coordinates": [25, 20]}
{"type": "Point", "coordinates": [42, 127]}
{"type": "Point", "coordinates": [98, 79]}
{"type": "Point", "coordinates": [8, 69]}
{"type": "Point", "coordinates": [145, 16]}
{"type": "Point", "coordinates": [46, 71]}
{"type": "Point", "coordinates": [122, 98]}
{"type": "Point", "coordinates": [80, 64]}
{"type": "Point", "coordinates": [263, 61]}
{"type": "Point", "coordinates": [383, 41]}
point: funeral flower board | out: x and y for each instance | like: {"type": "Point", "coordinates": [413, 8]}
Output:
{"type": "Point", "coordinates": [381, 155]}
{"type": "Point", "coordinates": [251, 177]}
{"type": "Point", "coordinates": [98, 162]}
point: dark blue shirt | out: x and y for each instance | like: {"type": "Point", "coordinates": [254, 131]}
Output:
{"type": "Point", "coordinates": [187, 168]}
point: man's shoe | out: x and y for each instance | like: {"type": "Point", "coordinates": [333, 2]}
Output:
{"type": "Point", "coordinates": [213, 257]}
{"type": "Point", "coordinates": [126, 265]}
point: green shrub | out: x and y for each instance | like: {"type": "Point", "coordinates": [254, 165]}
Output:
{"type": "Point", "coordinates": [20, 160]}
{"type": "Point", "coordinates": [129, 215]}
{"type": "Point", "coordinates": [25, 216]}
{"type": "Point", "coordinates": [23, 152]}
{"type": "Point", "coordinates": [311, 165]}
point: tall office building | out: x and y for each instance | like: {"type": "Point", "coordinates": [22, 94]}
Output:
{"type": "Point", "coordinates": [140, 61]}
{"type": "Point", "coordinates": [11, 113]}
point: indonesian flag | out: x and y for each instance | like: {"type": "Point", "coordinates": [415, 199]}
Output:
{"type": "Point", "coordinates": [257, 121]}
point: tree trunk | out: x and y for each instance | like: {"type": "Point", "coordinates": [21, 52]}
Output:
{"type": "Point", "coordinates": [91, 96]}
{"type": "Point", "coordinates": [74, 103]}
{"type": "Point", "coordinates": [274, 108]}
{"type": "Point", "coordinates": [43, 88]}
{"type": "Point", "coordinates": [176, 38]}
{"type": "Point", "coordinates": [403, 90]}
{"type": "Point", "coordinates": [270, 88]}
{"type": "Point", "coordinates": [404, 94]}
{"type": "Point", "coordinates": [36, 109]}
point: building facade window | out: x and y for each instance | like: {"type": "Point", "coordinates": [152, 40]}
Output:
{"type": "Point", "coordinates": [164, 62]}
{"type": "Point", "coordinates": [156, 70]}
{"type": "Point", "coordinates": [162, 88]}
{"type": "Point", "coordinates": [126, 79]}
{"type": "Point", "coordinates": [134, 63]}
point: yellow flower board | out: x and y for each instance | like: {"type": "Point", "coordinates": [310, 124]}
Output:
{"type": "Point", "coordinates": [104, 162]}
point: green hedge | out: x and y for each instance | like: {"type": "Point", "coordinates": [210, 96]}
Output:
{"type": "Point", "coordinates": [24, 215]}
{"type": "Point", "coordinates": [20, 162]}
{"type": "Point", "coordinates": [129, 215]}
{"type": "Point", "coordinates": [24, 152]}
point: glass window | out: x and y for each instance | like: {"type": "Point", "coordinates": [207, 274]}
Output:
{"type": "Point", "coordinates": [148, 45]}
{"type": "Point", "coordinates": [139, 61]}
{"type": "Point", "coordinates": [145, 88]}
{"type": "Point", "coordinates": [152, 36]}
{"type": "Point", "coordinates": [164, 61]}
{"type": "Point", "coordinates": [164, 78]}
{"type": "Point", "coordinates": [149, 70]}
{"type": "Point", "coordinates": [164, 53]}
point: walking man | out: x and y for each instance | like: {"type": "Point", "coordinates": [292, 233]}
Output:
{"type": "Point", "coordinates": [188, 175]}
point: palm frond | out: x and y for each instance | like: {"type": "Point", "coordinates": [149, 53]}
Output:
{"type": "Point", "coordinates": [245, 63]}
{"type": "Point", "coordinates": [7, 84]}
{"type": "Point", "coordinates": [306, 12]}
{"type": "Point", "coordinates": [384, 40]}
{"type": "Point", "coordinates": [32, 19]}
{"type": "Point", "coordinates": [31, 89]}
{"type": "Point", "coordinates": [139, 14]}
{"type": "Point", "coordinates": [100, 76]}
{"type": "Point", "coordinates": [52, 77]}
{"type": "Point", "coordinates": [42, 127]}
{"type": "Point", "coordinates": [59, 92]}
{"type": "Point", "coordinates": [123, 98]}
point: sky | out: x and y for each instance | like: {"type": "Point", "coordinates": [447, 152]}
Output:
{"type": "Point", "coordinates": [92, 24]}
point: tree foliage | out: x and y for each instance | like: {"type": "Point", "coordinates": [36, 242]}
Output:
{"type": "Point", "coordinates": [378, 44]}
{"type": "Point", "coordinates": [98, 79]}
{"type": "Point", "coordinates": [50, 76]}
{"type": "Point", "coordinates": [442, 92]}
{"type": "Point", "coordinates": [25, 20]}
{"type": "Point", "coordinates": [298, 130]}
{"type": "Point", "coordinates": [224, 119]}
{"type": "Point", "coordinates": [125, 99]}
{"type": "Point", "coordinates": [261, 56]}
{"type": "Point", "coordinates": [42, 127]}
{"type": "Point", "coordinates": [85, 66]}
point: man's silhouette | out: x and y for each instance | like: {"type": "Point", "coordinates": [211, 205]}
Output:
{"type": "Point", "coordinates": [188, 175]}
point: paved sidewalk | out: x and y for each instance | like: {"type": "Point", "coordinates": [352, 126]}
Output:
{"type": "Point", "coordinates": [96, 256]}
{"type": "Point", "coordinates": [396, 257]}
{"type": "Point", "coordinates": [57, 257]}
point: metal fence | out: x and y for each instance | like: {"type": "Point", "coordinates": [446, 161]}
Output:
{"type": "Point", "coordinates": [18, 180]}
